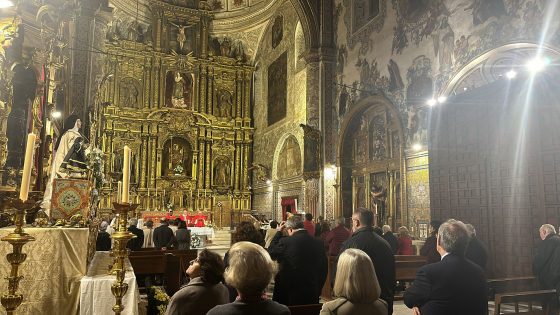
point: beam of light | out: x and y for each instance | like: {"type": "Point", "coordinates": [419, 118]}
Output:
{"type": "Point", "coordinates": [537, 64]}
{"type": "Point", "coordinates": [442, 99]}
{"type": "Point", "coordinates": [431, 102]}
{"type": "Point", "coordinates": [417, 147]}
{"type": "Point", "coordinates": [6, 4]}
{"type": "Point", "coordinates": [511, 74]}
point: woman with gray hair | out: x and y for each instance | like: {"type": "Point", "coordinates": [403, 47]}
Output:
{"type": "Point", "coordinates": [357, 292]}
{"type": "Point", "coordinates": [250, 271]}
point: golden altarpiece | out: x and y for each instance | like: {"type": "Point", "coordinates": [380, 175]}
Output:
{"type": "Point", "coordinates": [184, 108]}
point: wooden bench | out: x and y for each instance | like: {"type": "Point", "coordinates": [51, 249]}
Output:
{"type": "Point", "coordinates": [406, 270]}
{"type": "Point", "coordinates": [546, 298]}
{"type": "Point", "coordinates": [310, 309]}
{"type": "Point", "coordinates": [185, 256]}
{"type": "Point", "coordinates": [511, 284]}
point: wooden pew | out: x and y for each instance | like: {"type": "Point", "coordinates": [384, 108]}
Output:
{"type": "Point", "coordinates": [165, 264]}
{"type": "Point", "coordinates": [511, 284]}
{"type": "Point", "coordinates": [311, 309]}
{"type": "Point", "coordinates": [546, 298]}
{"type": "Point", "coordinates": [406, 267]}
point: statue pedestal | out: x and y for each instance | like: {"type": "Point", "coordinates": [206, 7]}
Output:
{"type": "Point", "coordinates": [70, 197]}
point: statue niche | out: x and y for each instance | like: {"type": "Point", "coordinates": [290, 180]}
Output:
{"type": "Point", "coordinates": [289, 159]}
{"type": "Point", "coordinates": [178, 90]}
{"type": "Point", "coordinates": [177, 158]}
{"type": "Point", "coordinates": [221, 172]}
{"type": "Point", "coordinates": [225, 103]}
{"type": "Point", "coordinates": [129, 93]}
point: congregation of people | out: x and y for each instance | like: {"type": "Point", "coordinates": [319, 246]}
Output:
{"type": "Point", "coordinates": [294, 254]}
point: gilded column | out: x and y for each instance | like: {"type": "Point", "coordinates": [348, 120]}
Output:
{"type": "Point", "coordinates": [201, 163]}
{"type": "Point", "coordinates": [196, 94]}
{"type": "Point", "coordinates": [208, 160]}
{"type": "Point", "coordinates": [244, 167]}
{"type": "Point", "coordinates": [144, 161]}
{"type": "Point", "coordinates": [238, 94]}
{"type": "Point", "coordinates": [237, 173]}
{"type": "Point", "coordinates": [247, 102]}
{"type": "Point", "coordinates": [210, 91]}
{"type": "Point", "coordinates": [153, 160]}
{"type": "Point", "coordinates": [204, 34]}
{"type": "Point", "coordinates": [203, 94]}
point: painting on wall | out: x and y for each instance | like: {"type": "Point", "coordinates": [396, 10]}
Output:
{"type": "Point", "coordinates": [177, 157]}
{"type": "Point", "coordinates": [377, 136]}
{"type": "Point", "coordinates": [362, 17]}
{"type": "Point", "coordinates": [277, 31]}
{"type": "Point", "coordinates": [222, 172]}
{"type": "Point", "coordinates": [289, 159]}
{"type": "Point", "coordinates": [362, 12]}
{"type": "Point", "coordinates": [418, 92]}
{"type": "Point", "coordinates": [277, 89]}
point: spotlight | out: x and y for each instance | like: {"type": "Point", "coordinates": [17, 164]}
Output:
{"type": "Point", "coordinates": [268, 182]}
{"type": "Point", "coordinates": [431, 102]}
{"type": "Point", "coordinates": [441, 99]}
{"type": "Point", "coordinates": [537, 64]}
{"type": "Point", "coordinates": [417, 147]}
{"type": "Point", "coordinates": [56, 114]}
{"type": "Point", "coordinates": [465, 88]}
{"type": "Point", "coordinates": [511, 74]}
{"type": "Point", "coordinates": [6, 4]}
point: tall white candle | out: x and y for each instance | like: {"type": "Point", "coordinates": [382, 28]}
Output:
{"type": "Point", "coordinates": [126, 175]}
{"type": "Point", "coordinates": [119, 190]}
{"type": "Point", "coordinates": [27, 165]}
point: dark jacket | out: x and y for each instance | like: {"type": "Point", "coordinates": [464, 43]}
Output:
{"type": "Point", "coordinates": [430, 249]}
{"type": "Point", "coordinates": [267, 307]}
{"type": "Point", "coordinates": [302, 268]}
{"type": "Point", "coordinates": [382, 257]}
{"type": "Point", "coordinates": [318, 229]}
{"type": "Point", "coordinates": [135, 243]}
{"type": "Point", "coordinates": [183, 237]}
{"type": "Point", "coordinates": [455, 285]}
{"type": "Point", "coordinates": [477, 252]}
{"type": "Point", "coordinates": [164, 237]}
{"type": "Point", "coordinates": [103, 242]}
{"type": "Point", "coordinates": [546, 264]}
{"type": "Point", "coordinates": [392, 240]}
{"type": "Point", "coordinates": [197, 298]}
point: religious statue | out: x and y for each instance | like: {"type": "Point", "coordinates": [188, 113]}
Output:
{"type": "Point", "coordinates": [181, 36]}
{"type": "Point", "coordinates": [225, 104]}
{"type": "Point", "coordinates": [69, 157]}
{"type": "Point", "coordinates": [178, 97]}
{"type": "Point", "coordinates": [378, 199]}
{"type": "Point", "coordinates": [221, 173]}
{"type": "Point", "coordinates": [129, 94]}
{"type": "Point", "coordinates": [176, 162]}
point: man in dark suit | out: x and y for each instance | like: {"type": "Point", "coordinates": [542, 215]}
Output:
{"type": "Point", "coordinates": [430, 249]}
{"type": "Point", "coordinates": [135, 243]}
{"type": "Point", "coordinates": [303, 264]}
{"type": "Point", "coordinates": [390, 238]}
{"type": "Point", "coordinates": [377, 249]}
{"type": "Point", "coordinates": [454, 285]}
{"type": "Point", "coordinates": [163, 236]}
{"type": "Point", "coordinates": [546, 264]}
{"type": "Point", "coordinates": [476, 251]}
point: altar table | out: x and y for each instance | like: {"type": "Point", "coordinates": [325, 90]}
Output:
{"type": "Point", "coordinates": [202, 231]}
{"type": "Point", "coordinates": [56, 261]}
{"type": "Point", "coordinates": [95, 288]}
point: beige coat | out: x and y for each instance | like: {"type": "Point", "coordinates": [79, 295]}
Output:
{"type": "Point", "coordinates": [342, 306]}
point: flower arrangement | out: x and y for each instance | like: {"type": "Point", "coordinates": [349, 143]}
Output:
{"type": "Point", "coordinates": [95, 162]}
{"type": "Point", "coordinates": [196, 242]}
{"type": "Point", "coordinates": [169, 207]}
{"type": "Point", "coordinates": [178, 170]}
{"type": "Point", "coordinates": [157, 300]}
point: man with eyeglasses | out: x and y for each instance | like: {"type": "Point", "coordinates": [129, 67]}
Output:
{"type": "Point", "coordinates": [303, 264]}
{"type": "Point", "coordinates": [364, 238]}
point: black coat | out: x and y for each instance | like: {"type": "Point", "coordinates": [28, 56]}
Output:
{"type": "Point", "coordinates": [164, 237]}
{"type": "Point", "coordinates": [430, 249]}
{"type": "Point", "coordinates": [103, 242]}
{"type": "Point", "coordinates": [382, 257]}
{"type": "Point", "coordinates": [392, 240]}
{"type": "Point", "coordinates": [303, 268]}
{"type": "Point", "coordinates": [135, 243]}
{"type": "Point", "coordinates": [546, 264]}
{"type": "Point", "coordinates": [455, 285]}
{"type": "Point", "coordinates": [477, 252]}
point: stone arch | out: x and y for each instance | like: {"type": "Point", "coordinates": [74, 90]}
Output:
{"type": "Point", "coordinates": [307, 11]}
{"type": "Point", "coordinates": [299, 43]}
{"type": "Point", "coordinates": [492, 65]}
{"type": "Point", "coordinates": [278, 149]}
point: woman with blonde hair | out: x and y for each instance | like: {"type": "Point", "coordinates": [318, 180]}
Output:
{"type": "Point", "coordinates": [250, 271]}
{"type": "Point", "coordinates": [405, 242]}
{"type": "Point", "coordinates": [355, 287]}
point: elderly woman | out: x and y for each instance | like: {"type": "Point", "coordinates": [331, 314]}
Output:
{"type": "Point", "coordinates": [250, 271]}
{"type": "Point", "coordinates": [357, 292]}
{"type": "Point", "coordinates": [405, 242]}
{"type": "Point", "coordinates": [205, 290]}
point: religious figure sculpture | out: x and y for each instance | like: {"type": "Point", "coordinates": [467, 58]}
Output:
{"type": "Point", "coordinates": [378, 198]}
{"type": "Point", "coordinates": [69, 157]}
{"type": "Point", "coordinates": [178, 97]}
{"type": "Point", "coordinates": [181, 36]}
{"type": "Point", "coordinates": [221, 173]}
{"type": "Point", "coordinates": [225, 104]}
{"type": "Point", "coordinates": [129, 94]}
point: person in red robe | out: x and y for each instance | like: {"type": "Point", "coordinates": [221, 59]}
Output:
{"type": "Point", "coordinates": [185, 217]}
{"type": "Point", "coordinates": [200, 219]}
{"type": "Point", "coordinates": [170, 216]}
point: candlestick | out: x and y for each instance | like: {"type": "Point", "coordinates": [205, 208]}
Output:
{"type": "Point", "coordinates": [126, 175]}
{"type": "Point", "coordinates": [27, 165]}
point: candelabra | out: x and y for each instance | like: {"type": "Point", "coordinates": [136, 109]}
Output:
{"type": "Point", "coordinates": [11, 300]}
{"type": "Point", "coordinates": [120, 252]}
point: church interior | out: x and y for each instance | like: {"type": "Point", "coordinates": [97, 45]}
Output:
{"type": "Point", "coordinates": [224, 111]}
